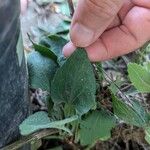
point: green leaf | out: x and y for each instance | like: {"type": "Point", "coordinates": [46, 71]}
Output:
{"type": "Point", "coordinates": [96, 126]}
{"type": "Point", "coordinates": [132, 113]}
{"type": "Point", "coordinates": [41, 71]}
{"type": "Point", "coordinates": [147, 134]}
{"type": "Point", "coordinates": [45, 52]}
{"type": "Point", "coordinates": [139, 77]}
{"type": "Point", "coordinates": [74, 83]}
{"type": "Point", "coordinates": [40, 120]}
{"type": "Point", "coordinates": [55, 43]}
{"type": "Point", "coordinates": [115, 86]}
{"type": "Point", "coordinates": [147, 66]}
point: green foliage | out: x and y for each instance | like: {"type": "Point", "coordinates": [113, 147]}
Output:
{"type": "Point", "coordinates": [147, 134]}
{"type": "Point", "coordinates": [147, 66]}
{"type": "Point", "coordinates": [45, 52]}
{"type": "Point", "coordinates": [140, 77]}
{"type": "Point", "coordinates": [132, 113]}
{"type": "Point", "coordinates": [74, 83]}
{"type": "Point", "coordinates": [55, 44]}
{"type": "Point", "coordinates": [96, 126]}
{"type": "Point", "coordinates": [63, 27]}
{"type": "Point", "coordinates": [41, 71]}
{"type": "Point", "coordinates": [72, 86]}
{"type": "Point", "coordinates": [40, 120]}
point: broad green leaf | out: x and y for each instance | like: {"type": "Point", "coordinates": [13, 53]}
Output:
{"type": "Point", "coordinates": [41, 71]}
{"type": "Point", "coordinates": [96, 126]}
{"type": "Point", "coordinates": [74, 83]}
{"type": "Point", "coordinates": [69, 110]}
{"type": "Point", "coordinates": [133, 114]}
{"type": "Point", "coordinates": [40, 120]}
{"type": "Point", "coordinates": [45, 52]}
{"type": "Point", "coordinates": [139, 77]}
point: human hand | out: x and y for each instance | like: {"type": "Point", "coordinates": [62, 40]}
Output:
{"type": "Point", "coordinates": [109, 28]}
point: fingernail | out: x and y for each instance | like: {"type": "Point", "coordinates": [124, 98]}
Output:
{"type": "Point", "coordinates": [81, 36]}
{"type": "Point", "coordinates": [68, 49]}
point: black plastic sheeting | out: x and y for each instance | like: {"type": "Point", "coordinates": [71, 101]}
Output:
{"type": "Point", "coordinates": [13, 76]}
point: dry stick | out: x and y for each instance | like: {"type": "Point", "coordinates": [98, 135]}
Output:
{"type": "Point", "coordinates": [71, 7]}
{"type": "Point", "coordinates": [33, 137]}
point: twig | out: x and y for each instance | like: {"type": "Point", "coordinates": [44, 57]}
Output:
{"type": "Point", "coordinates": [30, 138]}
{"type": "Point", "coordinates": [71, 7]}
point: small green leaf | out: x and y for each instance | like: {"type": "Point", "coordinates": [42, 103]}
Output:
{"type": "Point", "coordinates": [55, 43]}
{"type": "Point", "coordinates": [139, 77]}
{"type": "Point", "coordinates": [74, 83]}
{"type": "Point", "coordinates": [132, 113]}
{"type": "Point", "coordinates": [40, 120]}
{"type": "Point", "coordinates": [45, 52]}
{"type": "Point", "coordinates": [41, 71]}
{"type": "Point", "coordinates": [96, 126]}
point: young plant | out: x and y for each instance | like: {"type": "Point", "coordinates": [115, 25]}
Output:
{"type": "Point", "coordinates": [71, 84]}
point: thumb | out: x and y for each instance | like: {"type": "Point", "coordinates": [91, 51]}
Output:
{"type": "Point", "coordinates": [91, 19]}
